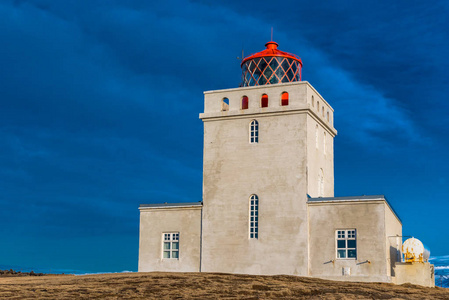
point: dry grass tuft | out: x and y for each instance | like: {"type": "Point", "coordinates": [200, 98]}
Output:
{"type": "Point", "coordinates": [203, 286]}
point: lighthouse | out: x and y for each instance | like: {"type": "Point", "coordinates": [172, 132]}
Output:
{"type": "Point", "coordinates": [268, 146]}
{"type": "Point", "coordinates": [268, 204]}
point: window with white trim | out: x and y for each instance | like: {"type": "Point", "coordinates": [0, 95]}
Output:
{"type": "Point", "coordinates": [171, 245]}
{"type": "Point", "coordinates": [346, 243]}
{"type": "Point", "coordinates": [254, 217]}
{"type": "Point", "coordinates": [254, 132]}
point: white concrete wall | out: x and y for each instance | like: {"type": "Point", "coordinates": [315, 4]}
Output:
{"type": "Point", "coordinates": [393, 227]}
{"type": "Point", "coordinates": [156, 221]}
{"type": "Point", "coordinates": [415, 273]}
{"type": "Point", "coordinates": [275, 169]}
{"type": "Point", "coordinates": [368, 218]}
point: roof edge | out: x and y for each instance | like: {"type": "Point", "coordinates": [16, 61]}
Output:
{"type": "Point", "coordinates": [171, 205]}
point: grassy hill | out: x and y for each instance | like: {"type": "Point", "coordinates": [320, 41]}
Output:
{"type": "Point", "coordinates": [203, 286]}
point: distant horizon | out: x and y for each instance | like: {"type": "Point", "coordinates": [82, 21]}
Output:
{"type": "Point", "coordinates": [441, 270]}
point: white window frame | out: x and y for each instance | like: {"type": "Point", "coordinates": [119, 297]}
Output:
{"type": "Point", "coordinates": [170, 245]}
{"type": "Point", "coordinates": [253, 217]}
{"type": "Point", "coordinates": [346, 243]}
{"type": "Point", "coordinates": [254, 132]}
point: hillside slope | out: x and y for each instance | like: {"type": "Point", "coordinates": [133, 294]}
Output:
{"type": "Point", "coordinates": [203, 286]}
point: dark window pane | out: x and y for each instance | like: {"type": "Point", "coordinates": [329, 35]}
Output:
{"type": "Point", "coordinates": [341, 244]}
{"type": "Point", "coordinates": [352, 253]}
{"type": "Point", "coordinates": [244, 102]}
{"type": "Point", "coordinates": [341, 254]}
{"type": "Point", "coordinates": [290, 75]}
{"type": "Point", "coordinates": [285, 64]}
{"type": "Point", "coordinates": [262, 65]}
{"type": "Point", "coordinates": [274, 63]}
{"type": "Point", "coordinates": [351, 244]}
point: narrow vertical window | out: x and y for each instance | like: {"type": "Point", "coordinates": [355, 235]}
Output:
{"type": "Point", "coordinates": [321, 183]}
{"type": "Point", "coordinates": [284, 99]}
{"type": "Point", "coordinates": [225, 104]}
{"type": "Point", "coordinates": [318, 106]}
{"type": "Point", "coordinates": [254, 132]}
{"type": "Point", "coordinates": [171, 245]}
{"type": "Point", "coordinates": [254, 217]}
{"type": "Point", "coordinates": [322, 111]}
{"type": "Point", "coordinates": [328, 116]}
{"type": "Point", "coordinates": [244, 102]}
{"type": "Point", "coordinates": [264, 101]}
{"type": "Point", "coordinates": [346, 243]}
{"type": "Point", "coordinates": [324, 143]}
{"type": "Point", "coordinates": [313, 102]}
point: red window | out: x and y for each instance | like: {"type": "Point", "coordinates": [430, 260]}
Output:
{"type": "Point", "coordinates": [284, 99]}
{"type": "Point", "coordinates": [244, 102]}
{"type": "Point", "coordinates": [264, 101]}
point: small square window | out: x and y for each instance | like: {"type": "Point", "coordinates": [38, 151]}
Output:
{"type": "Point", "coordinates": [170, 245]}
{"type": "Point", "coordinates": [346, 244]}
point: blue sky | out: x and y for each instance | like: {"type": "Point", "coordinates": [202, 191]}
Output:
{"type": "Point", "coordinates": [99, 104]}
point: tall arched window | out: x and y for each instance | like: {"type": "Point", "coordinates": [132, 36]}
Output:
{"type": "Point", "coordinates": [253, 217]}
{"type": "Point", "coordinates": [264, 101]}
{"type": "Point", "coordinates": [322, 111]}
{"type": "Point", "coordinates": [318, 106]}
{"type": "Point", "coordinates": [321, 183]}
{"type": "Point", "coordinates": [284, 99]}
{"type": "Point", "coordinates": [225, 104]}
{"type": "Point", "coordinates": [254, 132]}
{"type": "Point", "coordinates": [244, 102]}
{"type": "Point", "coordinates": [313, 102]}
{"type": "Point", "coordinates": [328, 116]}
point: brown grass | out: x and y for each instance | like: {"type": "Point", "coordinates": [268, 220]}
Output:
{"type": "Point", "coordinates": [203, 286]}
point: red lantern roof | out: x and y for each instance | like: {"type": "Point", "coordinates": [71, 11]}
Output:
{"type": "Point", "coordinates": [272, 51]}
{"type": "Point", "coordinates": [270, 66]}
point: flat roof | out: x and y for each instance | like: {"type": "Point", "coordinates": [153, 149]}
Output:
{"type": "Point", "coordinates": [354, 199]}
{"type": "Point", "coordinates": [160, 205]}
{"type": "Point", "coordinates": [350, 198]}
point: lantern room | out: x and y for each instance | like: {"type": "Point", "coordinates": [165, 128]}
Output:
{"type": "Point", "coordinates": [270, 66]}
